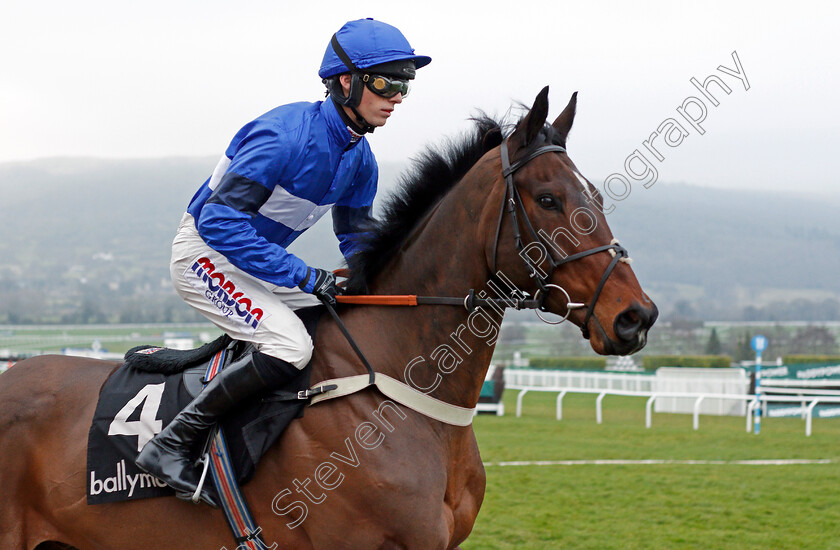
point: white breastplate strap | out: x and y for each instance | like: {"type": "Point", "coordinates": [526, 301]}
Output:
{"type": "Point", "coordinates": [401, 393]}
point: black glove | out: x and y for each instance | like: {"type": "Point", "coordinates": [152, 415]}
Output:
{"type": "Point", "coordinates": [324, 287]}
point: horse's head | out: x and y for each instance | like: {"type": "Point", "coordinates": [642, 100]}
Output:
{"type": "Point", "coordinates": [551, 238]}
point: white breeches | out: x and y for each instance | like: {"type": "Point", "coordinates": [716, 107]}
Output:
{"type": "Point", "coordinates": [244, 307]}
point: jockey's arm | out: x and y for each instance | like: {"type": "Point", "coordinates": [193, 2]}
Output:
{"type": "Point", "coordinates": [352, 219]}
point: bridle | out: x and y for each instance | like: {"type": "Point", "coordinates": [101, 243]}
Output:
{"type": "Point", "coordinates": [511, 204]}
{"type": "Point", "coordinates": [518, 299]}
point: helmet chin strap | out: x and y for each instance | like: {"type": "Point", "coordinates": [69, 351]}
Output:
{"type": "Point", "coordinates": [362, 124]}
{"type": "Point", "coordinates": [359, 126]}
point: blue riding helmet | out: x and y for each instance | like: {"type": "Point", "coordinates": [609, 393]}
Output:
{"type": "Point", "coordinates": [362, 48]}
{"type": "Point", "coordinates": [367, 43]}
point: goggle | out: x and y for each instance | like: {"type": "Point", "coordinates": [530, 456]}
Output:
{"type": "Point", "coordinates": [386, 86]}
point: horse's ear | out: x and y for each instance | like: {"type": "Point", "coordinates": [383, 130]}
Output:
{"type": "Point", "coordinates": [492, 139]}
{"type": "Point", "coordinates": [563, 123]}
{"type": "Point", "coordinates": [529, 127]}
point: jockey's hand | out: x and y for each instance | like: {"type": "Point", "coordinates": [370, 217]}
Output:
{"type": "Point", "coordinates": [324, 288]}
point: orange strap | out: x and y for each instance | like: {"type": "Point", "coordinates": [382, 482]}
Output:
{"type": "Point", "coordinates": [376, 300]}
{"type": "Point", "coordinates": [380, 300]}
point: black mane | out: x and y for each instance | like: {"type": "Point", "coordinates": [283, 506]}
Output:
{"type": "Point", "coordinates": [430, 178]}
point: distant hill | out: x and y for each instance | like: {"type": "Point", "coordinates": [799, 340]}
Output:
{"type": "Point", "coordinates": [93, 229]}
{"type": "Point", "coordinates": [737, 248]}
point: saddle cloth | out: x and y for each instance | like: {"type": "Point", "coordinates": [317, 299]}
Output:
{"type": "Point", "coordinates": [134, 405]}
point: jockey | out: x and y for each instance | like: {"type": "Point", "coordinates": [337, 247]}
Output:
{"type": "Point", "coordinates": [279, 175]}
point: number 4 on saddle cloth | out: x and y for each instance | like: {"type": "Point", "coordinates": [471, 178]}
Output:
{"type": "Point", "coordinates": [135, 404]}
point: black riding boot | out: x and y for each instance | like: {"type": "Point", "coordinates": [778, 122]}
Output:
{"type": "Point", "coordinates": [167, 456]}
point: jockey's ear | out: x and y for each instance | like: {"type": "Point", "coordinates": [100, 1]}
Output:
{"type": "Point", "coordinates": [529, 127]}
{"type": "Point", "coordinates": [563, 123]}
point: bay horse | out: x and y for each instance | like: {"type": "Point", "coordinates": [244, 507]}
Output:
{"type": "Point", "coordinates": [362, 472]}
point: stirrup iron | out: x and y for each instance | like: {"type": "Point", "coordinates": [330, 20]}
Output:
{"type": "Point", "coordinates": [205, 462]}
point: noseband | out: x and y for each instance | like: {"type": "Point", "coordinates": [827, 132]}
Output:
{"type": "Point", "coordinates": [511, 204]}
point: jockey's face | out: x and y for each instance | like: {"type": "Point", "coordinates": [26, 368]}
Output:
{"type": "Point", "coordinates": [373, 108]}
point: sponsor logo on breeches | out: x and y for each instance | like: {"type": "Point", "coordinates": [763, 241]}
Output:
{"type": "Point", "coordinates": [221, 291]}
{"type": "Point", "coordinates": [123, 481]}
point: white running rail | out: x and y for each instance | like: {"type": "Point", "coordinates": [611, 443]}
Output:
{"type": "Point", "coordinates": [579, 379]}
{"type": "Point", "coordinates": [752, 401]}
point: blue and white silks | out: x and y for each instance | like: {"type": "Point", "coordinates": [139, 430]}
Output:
{"type": "Point", "coordinates": [279, 175]}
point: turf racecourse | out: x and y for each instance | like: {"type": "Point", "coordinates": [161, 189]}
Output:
{"type": "Point", "coordinates": [655, 505]}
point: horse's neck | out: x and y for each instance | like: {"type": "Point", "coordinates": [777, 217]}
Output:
{"type": "Point", "coordinates": [442, 347]}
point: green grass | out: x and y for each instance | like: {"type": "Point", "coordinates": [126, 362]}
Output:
{"type": "Point", "coordinates": [653, 506]}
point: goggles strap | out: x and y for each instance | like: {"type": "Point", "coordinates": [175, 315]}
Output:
{"type": "Point", "coordinates": [342, 55]}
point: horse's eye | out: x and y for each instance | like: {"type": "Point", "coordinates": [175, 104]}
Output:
{"type": "Point", "coordinates": [547, 201]}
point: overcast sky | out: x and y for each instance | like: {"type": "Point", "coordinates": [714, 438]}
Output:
{"type": "Point", "coordinates": [164, 78]}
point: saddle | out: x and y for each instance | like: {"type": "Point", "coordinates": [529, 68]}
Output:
{"type": "Point", "coordinates": [172, 361]}
{"type": "Point", "coordinates": [150, 389]}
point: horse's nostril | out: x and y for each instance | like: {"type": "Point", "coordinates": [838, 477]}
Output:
{"type": "Point", "coordinates": [632, 321]}
{"type": "Point", "coordinates": [627, 325]}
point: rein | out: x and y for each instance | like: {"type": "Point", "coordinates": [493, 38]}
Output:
{"type": "Point", "coordinates": [470, 301]}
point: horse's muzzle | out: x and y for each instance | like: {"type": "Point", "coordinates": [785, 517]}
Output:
{"type": "Point", "coordinates": [631, 327]}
